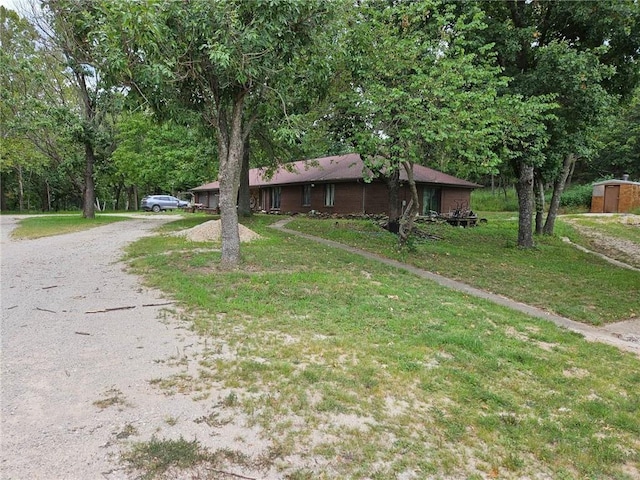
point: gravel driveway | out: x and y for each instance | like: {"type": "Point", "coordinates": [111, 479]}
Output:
{"type": "Point", "coordinates": [75, 383]}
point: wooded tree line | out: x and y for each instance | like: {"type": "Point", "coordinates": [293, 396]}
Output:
{"type": "Point", "coordinates": [106, 101]}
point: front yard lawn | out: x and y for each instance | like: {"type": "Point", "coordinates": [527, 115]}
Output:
{"type": "Point", "coordinates": [554, 276]}
{"type": "Point", "coordinates": [352, 369]}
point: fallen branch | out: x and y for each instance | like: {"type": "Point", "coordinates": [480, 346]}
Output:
{"type": "Point", "coordinates": [223, 472]}
{"type": "Point", "coordinates": [157, 304]}
{"type": "Point", "coordinates": [104, 310]}
{"type": "Point", "coordinates": [50, 286]}
{"type": "Point", "coordinates": [45, 310]}
{"type": "Point", "coordinates": [12, 307]}
{"type": "Point", "coordinates": [82, 333]}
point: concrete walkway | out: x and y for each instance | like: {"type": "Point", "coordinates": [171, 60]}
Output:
{"type": "Point", "coordinates": [624, 335]}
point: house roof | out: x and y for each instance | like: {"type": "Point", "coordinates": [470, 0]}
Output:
{"type": "Point", "coordinates": [340, 168]}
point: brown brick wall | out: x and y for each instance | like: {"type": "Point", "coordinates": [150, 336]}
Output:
{"type": "Point", "coordinates": [349, 198]}
{"type": "Point", "coordinates": [453, 198]}
{"type": "Point", "coordinates": [291, 199]}
{"type": "Point", "coordinates": [376, 198]}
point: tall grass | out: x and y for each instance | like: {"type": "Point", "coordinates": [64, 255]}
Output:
{"type": "Point", "coordinates": [574, 198]}
{"type": "Point", "coordinates": [484, 200]}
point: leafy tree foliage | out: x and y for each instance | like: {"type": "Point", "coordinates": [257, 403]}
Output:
{"type": "Point", "coordinates": [38, 157]}
{"type": "Point", "coordinates": [584, 54]}
{"type": "Point", "coordinates": [418, 91]}
{"type": "Point", "coordinates": [620, 137]}
{"type": "Point", "coordinates": [68, 36]}
{"type": "Point", "coordinates": [215, 58]}
{"type": "Point", "coordinates": [160, 157]}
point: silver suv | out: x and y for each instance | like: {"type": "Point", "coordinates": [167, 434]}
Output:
{"type": "Point", "coordinates": [158, 203]}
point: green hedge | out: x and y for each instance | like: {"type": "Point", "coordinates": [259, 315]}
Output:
{"type": "Point", "coordinates": [577, 196]}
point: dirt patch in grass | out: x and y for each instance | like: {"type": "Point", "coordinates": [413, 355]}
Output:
{"type": "Point", "coordinates": [210, 232]}
{"type": "Point", "coordinates": [621, 249]}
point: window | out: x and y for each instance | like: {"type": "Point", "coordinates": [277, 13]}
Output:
{"type": "Point", "coordinates": [275, 198]}
{"type": "Point", "coordinates": [430, 200]}
{"type": "Point", "coordinates": [306, 195]}
{"type": "Point", "coordinates": [329, 194]}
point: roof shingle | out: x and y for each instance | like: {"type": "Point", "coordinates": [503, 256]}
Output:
{"type": "Point", "coordinates": [340, 168]}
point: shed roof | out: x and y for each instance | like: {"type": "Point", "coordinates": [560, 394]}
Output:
{"type": "Point", "coordinates": [616, 182]}
{"type": "Point", "coordinates": [340, 168]}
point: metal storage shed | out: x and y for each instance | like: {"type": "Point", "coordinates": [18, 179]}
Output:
{"type": "Point", "coordinates": [615, 196]}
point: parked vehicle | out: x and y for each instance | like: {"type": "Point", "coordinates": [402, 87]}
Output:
{"type": "Point", "coordinates": [160, 203]}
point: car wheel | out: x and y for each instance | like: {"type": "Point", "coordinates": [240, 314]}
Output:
{"type": "Point", "coordinates": [156, 208]}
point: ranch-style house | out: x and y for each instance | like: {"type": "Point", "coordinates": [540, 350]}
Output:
{"type": "Point", "coordinates": [337, 185]}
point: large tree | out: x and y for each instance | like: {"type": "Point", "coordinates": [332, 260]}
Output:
{"type": "Point", "coordinates": [417, 88]}
{"type": "Point", "coordinates": [216, 58]}
{"type": "Point", "coordinates": [583, 54]}
{"type": "Point", "coordinates": [18, 53]}
{"type": "Point", "coordinates": [39, 167]}
{"type": "Point", "coordinates": [620, 139]}
{"type": "Point", "coordinates": [66, 36]}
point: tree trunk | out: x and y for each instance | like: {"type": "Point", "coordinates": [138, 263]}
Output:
{"type": "Point", "coordinates": [393, 185]}
{"type": "Point", "coordinates": [524, 189]}
{"type": "Point", "coordinates": [3, 194]}
{"type": "Point", "coordinates": [88, 207]}
{"type": "Point", "coordinates": [46, 204]}
{"type": "Point", "coordinates": [558, 188]}
{"type": "Point", "coordinates": [573, 168]}
{"type": "Point", "coordinates": [230, 151]}
{"type": "Point", "coordinates": [20, 189]}
{"type": "Point", "coordinates": [409, 215]}
{"type": "Point", "coordinates": [244, 197]}
{"type": "Point", "coordinates": [539, 199]}
{"type": "Point", "coordinates": [118, 193]}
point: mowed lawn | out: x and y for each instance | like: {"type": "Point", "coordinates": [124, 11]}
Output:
{"type": "Point", "coordinates": [554, 275]}
{"type": "Point", "coordinates": [38, 226]}
{"type": "Point", "coordinates": [357, 370]}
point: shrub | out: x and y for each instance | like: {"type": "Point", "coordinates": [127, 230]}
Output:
{"type": "Point", "coordinates": [577, 196]}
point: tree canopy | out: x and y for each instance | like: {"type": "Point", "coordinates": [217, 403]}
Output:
{"type": "Point", "coordinates": [106, 98]}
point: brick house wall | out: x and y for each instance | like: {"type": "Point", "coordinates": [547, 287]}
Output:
{"type": "Point", "coordinates": [361, 197]}
{"type": "Point", "coordinates": [454, 198]}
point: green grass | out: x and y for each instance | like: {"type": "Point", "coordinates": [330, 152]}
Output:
{"type": "Point", "coordinates": [162, 458]}
{"type": "Point", "coordinates": [47, 225]}
{"type": "Point", "coordinates": [577, 198]}
{"type": "Point", "coordinates": [359, 370]}
{"type": "Point", "coordinates": [484, 200]}
{"type": "Point", "coordinates": [554, 275]}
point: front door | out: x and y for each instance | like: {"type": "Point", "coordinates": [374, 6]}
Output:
{"type": "Point", "coordinates": [611, 197]}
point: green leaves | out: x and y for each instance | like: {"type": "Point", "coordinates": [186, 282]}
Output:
{"type": "Point", "coordinates": [420, 91]}
{"type": "Point", "coordinates": [161, 157]}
